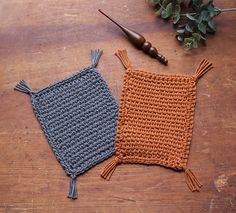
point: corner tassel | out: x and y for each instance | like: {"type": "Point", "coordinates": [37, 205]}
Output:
{"type": "Point", "coordinates": [203, 68]}
{"type": "Point", "coordinates": [72, 189]}
{"type": "Point", "coordinates": [95, 55]}
{"type": "Point", "coordinates": [110, 168]}
{"type": "Point", "coordinates": [192, 182]}
{"type": "Point", "coordinates": [122, 55]}
{"type": "Point", "coordinates": [22, 86]}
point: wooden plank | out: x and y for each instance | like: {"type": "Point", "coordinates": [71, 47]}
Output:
{"type": "Point", "coordinates": [47, 40]}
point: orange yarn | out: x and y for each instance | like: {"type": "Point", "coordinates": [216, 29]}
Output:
{"type": "Point", "coordinates": [155, 119]}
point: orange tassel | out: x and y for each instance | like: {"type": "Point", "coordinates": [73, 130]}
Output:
{"type": "Point", "coordinates": [192, 182]}
{"type": "Point", "coordinates": [203, 68]}
{"type": "Point", "coordinates": [110, 168]}
{"type": "Point", "coordinates": [122, 55]}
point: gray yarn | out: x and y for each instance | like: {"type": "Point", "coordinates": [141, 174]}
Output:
{"type": "Point", "coordinates": [78, 116]}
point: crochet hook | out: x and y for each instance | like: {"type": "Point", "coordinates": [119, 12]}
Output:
{"type": "Point", "coordinates": [139, 41]}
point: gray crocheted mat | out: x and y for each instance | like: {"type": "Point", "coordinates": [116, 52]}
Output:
{"type": "Point", "coordinates": [78, 116]}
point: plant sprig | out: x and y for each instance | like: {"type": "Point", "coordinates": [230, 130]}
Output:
{"type": "Point", "coordinates": [196, 21]}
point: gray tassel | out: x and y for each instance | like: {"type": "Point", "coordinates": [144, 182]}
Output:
{"type": "Point", "coordinates": [95, 55]}
{"type": "Point", "coordinates": [72, 189]}
{"type": "Point", "coordinates": [22, 86]}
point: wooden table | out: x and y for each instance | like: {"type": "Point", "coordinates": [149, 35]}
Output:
{"type": "Point", "coordinates": [43, 41]}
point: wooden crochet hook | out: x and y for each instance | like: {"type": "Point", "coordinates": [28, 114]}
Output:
{"type": "Point", "coordinates": [139, 41]}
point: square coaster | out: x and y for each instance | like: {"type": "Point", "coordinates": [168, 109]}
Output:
{"type": "Point", "coordinates": [78, 116]}
{"type": "Point", "coordinates": [155, 120]}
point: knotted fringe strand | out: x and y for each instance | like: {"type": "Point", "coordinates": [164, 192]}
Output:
{"type": "Point", "coordinates": [22, 86]}
{"type": "Point", "coordinates": [72, 188]}
{"type": "Point", "coordinates": [203, 68]}
{"type": "Point", "coordinates": [95, 55]}
{"type": "Point", "coordinates": [192, 182]}
{"type": "Point", "coordinates": [122, 55]}
{"type": "Point", "coordinates": [110, 168]}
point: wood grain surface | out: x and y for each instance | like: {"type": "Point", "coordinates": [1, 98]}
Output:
{"type": "Point", "coordinates": [43, 41]}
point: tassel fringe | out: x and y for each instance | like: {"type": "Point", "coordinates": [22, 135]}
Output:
{"type": "Point", "coordinates": [203, 68]}
{"type": "Point", "coordinates": [22, 86]}
{"type": "Point", "coordinates": [122, 55]}
{"type": "Point", "coordinates": [110, 168]}
{"type": "Point", "coordinates": [192, 182]}
{"type": "Point", "coordinates": [95, 55]}
{"type": "Point", "coordinates": [72, 189]}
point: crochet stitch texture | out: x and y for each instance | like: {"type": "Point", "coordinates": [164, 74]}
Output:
{"type": "Point", "coordinates": [78, 116]}
{"type": "Point", "coordinates": [155, 119]}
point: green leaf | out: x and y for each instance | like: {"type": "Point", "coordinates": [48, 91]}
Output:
{"type": "Point", "coordinates": [181, 31]}
{"type": "Point", "coordinates": [209, 30]}
{"type": "Point", "coordinates": [187, 46]}
{"type": "Point", "coordinates": [188, 43]}
{"type": "Point", "coordinates": [177, 9]}
{"type": "Point", "coordinates": [180, 37]}
{"type": "Point", "coordinates": [169, 9]}
{"type": "Point", "coordinates": [158, 12]}
{"type": "Point", "coordinates": [202, 27]}
{"type": "Point", "coordinates": [212, 25]}
{"type": "Point", "coordinates": [211, 9]}
{"type": "Point", "coordinates": [155, 1]}
{"type": "Point", "coordinates": [190, 17]}
{"type": "Point", "coordinates": [188, 40]}
{"type": "Point", "coordinates": [217, 11]}
{"type": "Point", "coordinates": [175, 19]}
{"type": "Point", "coordinates": [194, 43]}
{"type": "Point", "coordinates": [203, 38]}
{"type": "Point", "coordinates": [196, 36]}
{"type": "Point", "coordinates": [176, 16]}
{"type": "Point", "coordinates": [165, 2]}
{"type": "Point", "coordinates": [188, 28]}
{"type": "Point", "coordinates": [204, 16]}
{"type": "Point", "coordinates": [166, 13]}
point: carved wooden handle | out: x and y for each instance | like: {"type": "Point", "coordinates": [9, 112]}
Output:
{"type": "Point", "coordinates": [152, 51]}
{"type": "Point", "coordinates": [139, 41]}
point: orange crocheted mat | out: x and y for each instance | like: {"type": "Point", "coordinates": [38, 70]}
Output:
{"type": "Point", "coordinates": [155, 119]}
